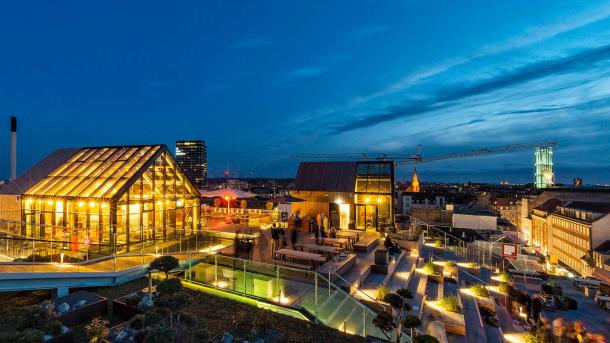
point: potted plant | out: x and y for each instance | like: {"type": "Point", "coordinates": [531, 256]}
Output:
{"type": "Point", "coordinates": [480, 290]}
{"type": "Point", "coordinates": [386, 322]}
{"type": "Point", "coordinates": [433, 271]}
{"type": "Point", "coordinates": [451, 304]}
{"type": "Point", "coordinates": [165, 264]}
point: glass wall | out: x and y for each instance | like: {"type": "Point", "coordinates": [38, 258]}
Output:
{"type": "Point", "coordinates": [154, 206]}
{"type": "Point", "coordinates": [373, 195]}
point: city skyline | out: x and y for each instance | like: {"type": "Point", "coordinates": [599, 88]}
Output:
{"type": "Point", "coordinates": [283, 79]}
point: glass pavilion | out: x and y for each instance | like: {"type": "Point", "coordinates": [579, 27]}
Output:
{"type": "Point", "coordinates": [112, 199]}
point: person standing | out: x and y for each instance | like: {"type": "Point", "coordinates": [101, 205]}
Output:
{"type": "Point", "coordinates": [282, 237]}
{"type": "Point", "coordinates": [275, 236]}
{"type": "Point", "coordinates": [316, 232]}
{"type": "Point", "coordinates": [557, 329]}
{"type": "Point", "coordinates": [294, 237]}
{"type": "Point", "coordinates": [536, 309]}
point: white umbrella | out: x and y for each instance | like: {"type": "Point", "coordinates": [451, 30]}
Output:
{"type": "Point", "coordinates": [228, 193]}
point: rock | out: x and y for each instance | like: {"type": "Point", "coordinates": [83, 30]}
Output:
{"type": "Point", "coordinates": [80, 304]}
{"type": "Point", "coordinates": [63, 308]}
{"type": "Point", "coordinates": [145, 303]}
{"type": "Point", "coordinates": [227, 338]}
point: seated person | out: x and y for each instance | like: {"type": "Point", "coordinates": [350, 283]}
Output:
{"type": "Point", "coordinates": [391, 246]}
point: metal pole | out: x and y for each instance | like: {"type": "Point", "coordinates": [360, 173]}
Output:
{"type": "Point", "coordinates": [316, 295]}
{"type": "Point", "coordinates": [245, 277]}
{"type": "Point", "coordinates": [216, 270]}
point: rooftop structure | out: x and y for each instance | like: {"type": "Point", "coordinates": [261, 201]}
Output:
{"type": "Point", "coordinates": [103, 200]}
{"type": "Point", "coordinates": [359, 193]}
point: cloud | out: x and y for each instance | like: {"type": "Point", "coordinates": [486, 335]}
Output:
{"type": "Point", "coordinates": [251, 43]}
{"type": "Point", "coordinates": [531, 36]}
{"type": "Point", "coordinates": [306, 72]}
{"type": "Point", "coordinates": [363, 33]}
{"type": "Point", "coordinates": [445, 96]}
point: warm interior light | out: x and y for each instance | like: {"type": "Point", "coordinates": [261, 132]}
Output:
{"type": "Point", "coordinates": [379, 200]}
{"type": "Point", "coordinates": [159, 203]}
{"type": "Point", "coordinates": [50, 202]}
{"type": "Point", "coordinates": [81, 204]}
{"type": "Point", "coordinates": [226, 198]}
{"type": "Point", "coordinates": [92, 204]}
{"type": "Point", "coordinates": [367, 199]}
{"type": "Point", "coordinates": [104, 205]}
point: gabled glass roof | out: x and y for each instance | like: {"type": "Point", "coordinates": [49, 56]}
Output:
{"type": "Point", "coordinates": [95, 172]}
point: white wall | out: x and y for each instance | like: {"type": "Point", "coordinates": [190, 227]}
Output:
{"type": "Point", "coordinates": [470, 221]}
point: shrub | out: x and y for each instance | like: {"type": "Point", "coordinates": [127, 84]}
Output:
{"type": "Point", "coordinates": [450, 263]}
{"type": "Point", "coordinates": [165, 264]}
{"type": "Point", "coordinates": [169, 286]}
{"type": "Point", "coordinates": [153, 318]}
{"type": "Point", "coordinates": [202, 336]}
{"type": "Point", "coordinates": [137, 322]}
{"type": "Point", "coordinates": [10, 336]}
{"type": "Point", "coordinates": [438, 243]}
{"type": "Point", "coordinates": [31, 336]}
{"type": "Point", "coordinates": [37, 316]}
{"type": "Point", "coordinates": [480, 290]}
{"type": "Point", "coordinates": [505, 277]}
{"type": "Point", "coordinates": [432, 269]}
{"type": "Point", "coordinates": [382, 291]}
{"type": "Point", "coordinates": [98, 330]}
{"type": "Point", "coordinates": [425, 339]}
{"type": "Point", "coordinates": [450, 304]}
{"type": "Point", "coordinates": [384, 322]}
{"type": "Point", "coordinates": [504, 287]}
{"type": "Point", "coordinates": [531, 339]}
{"type": "Point", "coordinates": [472, 265]}
{"type": "Point", "coordinates": [411, 322]}
{"type": "Point", "coordinates": [53, 328]}
{"type": "Point", "coordinates": [132, 300]}
{"type": "Point", "coordinates": [160, 334]}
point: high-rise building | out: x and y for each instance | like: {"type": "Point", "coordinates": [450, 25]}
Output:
{"type": "Point", "coordinates": [192, 157]}
{"type": "Point", "coordinates": [544, 176]}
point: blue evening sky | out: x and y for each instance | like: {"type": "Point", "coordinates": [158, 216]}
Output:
{"type": "Point", "coordinates": [260, 80]}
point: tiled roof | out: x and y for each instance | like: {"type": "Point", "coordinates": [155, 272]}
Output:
{"type": "Point", "coordinates": [550, 205]}
{"type": "Point", "coordinates": [38, 172]}
{"type": "Point", "coordinates": [326, 177]}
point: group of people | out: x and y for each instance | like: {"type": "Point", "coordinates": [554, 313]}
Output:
{"type": "Point", "coordinates": [559, 332]}
{"type": "Point", "coordinates": [280, 241]}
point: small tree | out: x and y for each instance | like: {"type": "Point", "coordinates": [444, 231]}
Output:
{"type": "Point", "coordinates": [98, 330]}
{"type": "Point", "coordinates": [386, 322]}
{"type": "Point", "coordinates": [173, 303]}
{"type": "Point", "coordinates": [165, 264]}
{"type": "Point", "coordinates": [425, 339]}
{"type": "Point", "coordinates": [411, 322]}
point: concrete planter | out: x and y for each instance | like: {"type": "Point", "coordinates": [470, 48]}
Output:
{"type": "Point", "coordinates": [382, 257]}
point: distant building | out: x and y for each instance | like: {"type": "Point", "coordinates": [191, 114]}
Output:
{"type": "Point", "coordinates": [192, 157]}
{"type": "Point", "coordinates": [577, 182]}
{"type": "Point", "coordinates": [544, 176]}
{"type": "Point", "coordinates": [238, 184]}
{"type": "Point", "coordinates": [414, 188]}
{"type": "Point", "coordinates": [361, 193]}
{"type": "Point", "coordinates": [475, 219]}
{"type": "Point", "coordinates": [577, 228]}
{"type": "Point", "coordinates": [506, 208]}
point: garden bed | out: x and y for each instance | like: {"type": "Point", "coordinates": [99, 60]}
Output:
{"type": "Point", "coordinates": [81, 306]}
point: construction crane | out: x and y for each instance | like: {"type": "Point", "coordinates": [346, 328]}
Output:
{"type": "Point", "coordinates": [484, 151]}
{"type": "Point", "coordinates": [417, 157]}
{"type": "Point", "coordinates": [365, 156]}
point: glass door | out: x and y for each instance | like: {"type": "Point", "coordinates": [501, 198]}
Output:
{"type": "Point", "coordinates": [366, 217]}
